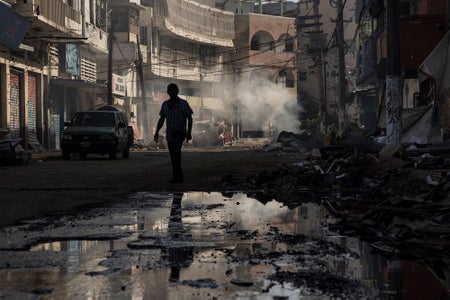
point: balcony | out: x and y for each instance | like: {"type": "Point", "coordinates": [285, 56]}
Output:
{"type": "Point", "coordinates": [130, 3]}
{"type": "Point", "coordinates": [193, 21]}
{"type": "Point", "coordinates": [51, 16]}
{"type": "Point", "coordinates": [97, 39]}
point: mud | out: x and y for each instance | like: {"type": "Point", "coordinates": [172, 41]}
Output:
{"type": "Point", "coordinates": [198, 246]}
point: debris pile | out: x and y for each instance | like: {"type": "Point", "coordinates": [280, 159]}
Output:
{"type": "Point", "coordinates": [319, 284]}
{"type": "Point", "coordinates": [403, 215]}
{"type": "Point", "coordinates": [322, 171]}
{"type": "Point", "coordinates": [396, 197]}
{"type": "Point", "coordinates": [11, 150]}
{"type": "Point", "coordinates": [293, 142]}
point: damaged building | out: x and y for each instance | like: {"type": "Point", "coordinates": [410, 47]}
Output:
{"type": "Point", "coordinates": [424, 92]}
{"type": "Point", "coordinates": [49, 71]}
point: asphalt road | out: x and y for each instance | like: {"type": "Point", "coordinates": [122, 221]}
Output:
{"type": "Point", "coordinates": [49, 184]}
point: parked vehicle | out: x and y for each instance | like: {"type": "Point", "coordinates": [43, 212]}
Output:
{"type": "Point", "coordinates": [103, 131]}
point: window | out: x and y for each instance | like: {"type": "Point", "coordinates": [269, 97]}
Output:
{"type": "Point", "coordinates": [254, 44]}
{"type": "Point", "coordinates": [208, 55]}
{"type": "Point", "coordinates": [93, 119]}
{"type": "Point", "coordinates": [193, 53]}
{"type": "Point", "coordinates": [289, 44]}
{"type": "Point", "coordinates": [262, 41]}
{"type": "Point", "coordinates": [155, 42]}
{"type": "Point", "coordinates": [285, 79]}
{"type": "Point", "coordinates": [143, 35]}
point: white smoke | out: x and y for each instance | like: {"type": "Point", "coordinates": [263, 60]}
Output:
{"type": "Point", "coordinates": [265, 105]}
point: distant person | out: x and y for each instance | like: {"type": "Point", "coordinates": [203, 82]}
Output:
{"type": "Point", "coordinates": [176, 112]}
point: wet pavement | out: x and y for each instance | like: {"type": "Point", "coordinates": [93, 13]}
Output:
{"type": "Point", "coordinates": [200, 245]}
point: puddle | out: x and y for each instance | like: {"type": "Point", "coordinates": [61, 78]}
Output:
{"type": "Point", "coordinates": [201, 246]}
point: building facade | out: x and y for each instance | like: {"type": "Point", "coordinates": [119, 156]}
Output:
{"type": "Point", "coordinates": [424, 94]}
{"type": "Point", "coordinates": [264, 74]}
{"type": "Point", "coordinates": [53, 72]}
{"type": "Point", "coordinates": [68, 61]}
{"type": "Point", "coordinates": [187, 43]}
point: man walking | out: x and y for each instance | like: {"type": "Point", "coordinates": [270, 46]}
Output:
{"type": "Point", "coordinates": [176, 112]}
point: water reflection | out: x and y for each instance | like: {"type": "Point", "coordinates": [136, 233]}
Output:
{"type": "Point", "coordinates": [197, 236]}
{"type": "Point", "coordinates": [179, 256]}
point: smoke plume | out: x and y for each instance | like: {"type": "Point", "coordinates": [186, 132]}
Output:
{"type": "Point", "coordinates": [264, 105]}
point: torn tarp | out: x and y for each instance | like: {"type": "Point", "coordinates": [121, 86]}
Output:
{"type": "Point", "coordinates": [417, 125]}
{"type": "Point", "coordinates": [437, 65]}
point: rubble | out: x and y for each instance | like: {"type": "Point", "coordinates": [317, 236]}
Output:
{"type": "Point", "coordinates": [11, 150]}
{"type": "Point", "coordinates": [394, 197]}
{"type": "Point", "coordinates": [302, 142]}
{"type": "Point", "coordinates": [322, 284]}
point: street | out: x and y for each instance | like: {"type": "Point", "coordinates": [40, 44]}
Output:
{"type": "Point", "coordinates": [325, 167]}
{"type": "Point", "coordinates": [180, 246]}
{"type": "Point", "coordinates": [116, 229]}
{"type": "Point", "coordinates": [50, 183]}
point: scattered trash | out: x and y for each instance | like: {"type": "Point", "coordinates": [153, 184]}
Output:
{"type": "Point", "coordinates": [12, 153]}
{"type": "Point", "coordinates": [397, 197]}
{"type": "Point", "coordinates": [299, 142]}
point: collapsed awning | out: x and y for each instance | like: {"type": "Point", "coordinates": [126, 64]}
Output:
{"type": "Point", "coordinates": [437, 65]}
{"type": "Point", "coordinates": [417, 124]}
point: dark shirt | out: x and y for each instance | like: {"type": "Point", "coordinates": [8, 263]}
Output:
{"type": "Point", "coordinates": [176, 116]}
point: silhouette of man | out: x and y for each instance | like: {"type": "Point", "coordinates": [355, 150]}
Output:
{"type": "Point", "coordinates": [176, 112]}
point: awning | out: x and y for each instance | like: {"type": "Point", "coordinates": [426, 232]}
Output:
{"type": "Point", "coordinates": [79, 84]}
{"type": "Point", "coordinates": [13, 27]}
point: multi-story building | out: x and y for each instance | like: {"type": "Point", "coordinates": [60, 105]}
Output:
{"type": "Point", "coordinates": [122, 64]}
{"type": "Point", "coordinates": [326, 61]}
{"type": "Point", "coordinates": [320, 68]}
{"type": "Point", "coordinates": [188, 43]}
{"type": "Point", "coordinates": [262, 86]}
{"type": "Point", "coordinates": [235, 6]}
{"type": "Point", "coordinates": [67, 59]}
{"type": "Point", "coordinates": [424, 93]}
{"type": "Point", "coordinates": [53, 73]}
{"type": "Point", "coordinates": [265, 76]}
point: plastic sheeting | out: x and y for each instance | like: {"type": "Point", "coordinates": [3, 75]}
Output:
{"type": "Point", "coordinates": [417, 125]}
{"type": "Point", "coordinates": [437, 65]}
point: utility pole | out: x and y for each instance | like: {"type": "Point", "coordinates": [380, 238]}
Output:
{"type": "Point", "coordinates": [393, 109]}
{"type": "Point", "coordinates": [342, 85]}
{"type": "Point", "coordinates": [310, 26]}
{"type": "Point", "coordinates": [146, 119]}
{"type": "Point", "coordinates": [321, 76]}
{"type": "Point", "coordinates": [110, 56]}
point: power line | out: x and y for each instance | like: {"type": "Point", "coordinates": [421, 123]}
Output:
{"type": "Point", "coordinates": [340, 19]}
{"type": "Point", "coordinates": [233, 51]}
